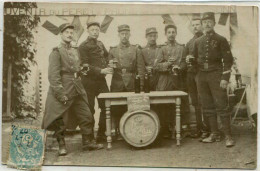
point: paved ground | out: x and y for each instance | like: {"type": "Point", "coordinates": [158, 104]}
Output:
{"type": "Point", "coordinates": [164, 154]}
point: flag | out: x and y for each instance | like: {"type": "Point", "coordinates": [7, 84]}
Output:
{"type": "Point", "coordinates": [52, 24]}
{"type": "Point", "coordinates": [51, 27]}
{"type": "Point", "coordinates": [223, 19]}
{"type": "Point", "coordinates": [167, 19]}
{"type": "Point", "coordinates": [233, 25]}
{"type": "Point", "coordinates": [105, 24]}
{"type": "Point", "coordinates": [233, 19]}
{"type": "Point", "coordinates": [78, 29]}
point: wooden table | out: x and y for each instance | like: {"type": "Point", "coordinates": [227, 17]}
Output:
{"type": "Point", "coordinates": [156, 97]}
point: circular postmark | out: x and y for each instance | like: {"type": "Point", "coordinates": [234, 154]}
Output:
{"type": "Point", "coordinates": [26, 147]}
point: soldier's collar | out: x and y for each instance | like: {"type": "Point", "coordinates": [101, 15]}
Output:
{"type": "Point", "coordinates": [91, 39]}
{"type": "Point", "coordinates": [171, 43]}
{"type": "Point", "coordinates": [65, 45]}
{"type": "Point", "coordinates": [151, 45]}
{"type": "Point", "coordinates": [198, 34]}
{"type": "Point", "coordinates": [124, 45]}
{"type": "Point", "coordinates": [210, 33]}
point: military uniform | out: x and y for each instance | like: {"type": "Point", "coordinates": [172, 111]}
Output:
{"type": "Point", "coordinates": [149, 53]}
{"type": "Point", "coordinates": [64, 64]}
{"type": "Point", "coordinates": [191, 72]}
{"type": "Point", "coordinates": [168, 81]}
{"type": "Point", "coordinates": [67, 99]}
{"type": "Point", "coordinates": [94, 53]}
{"type": "Point", "coordinates": [214, 60]}
{"type": "Point", "coordinates": [129, 62]}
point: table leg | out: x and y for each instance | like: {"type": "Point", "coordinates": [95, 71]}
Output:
{"type": "Point", "coordinates": [108, 124]}
{"type": "Point", "coordinates": [178, 121]}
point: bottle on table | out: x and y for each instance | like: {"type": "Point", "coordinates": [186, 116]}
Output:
{"type": "Point", "coordinates": [137, 83]}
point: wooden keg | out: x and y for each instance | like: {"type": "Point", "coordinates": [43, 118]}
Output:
{"type": "Point", "coordinates": [140, 128]}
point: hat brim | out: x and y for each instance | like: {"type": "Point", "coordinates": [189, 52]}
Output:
{"type": "Point", "coordinates": [94, 24]}
{"type": "Point", "coordinates": [124, 30]}
{"type": "Point", "coordinates": [151, 32]}
{"type": "Point", "coordinates": [208, 18]}
{"type": "Point", "coordinates": [69, 26]}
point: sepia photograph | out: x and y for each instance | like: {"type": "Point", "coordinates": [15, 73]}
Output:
{"type": "Point", "coordinates": [162, 85]}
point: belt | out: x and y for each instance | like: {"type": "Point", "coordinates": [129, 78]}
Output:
{"type": "Point", "coordinates": [125, 70]}
{"type": "Point", "coordinates": [75, 74]}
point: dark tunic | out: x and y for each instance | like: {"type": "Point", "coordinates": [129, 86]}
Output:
{"type": "Point", "coordinates": [188, 50]}
{"type": "Point", "coordinates": [215, 49]}
{"type": "Point", "coordinates": [94, 53]}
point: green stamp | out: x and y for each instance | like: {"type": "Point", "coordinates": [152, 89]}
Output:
{"type": "Point", "coordinates": [26, 149]}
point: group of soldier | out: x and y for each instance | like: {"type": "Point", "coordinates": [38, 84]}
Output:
{"type": "Point", "coordinates": [77, 77]}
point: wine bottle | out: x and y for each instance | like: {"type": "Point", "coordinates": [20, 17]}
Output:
{"type": "Point", "coordinates": [137, 84]}
{"type": "Point", "coordinates": [146, 83]}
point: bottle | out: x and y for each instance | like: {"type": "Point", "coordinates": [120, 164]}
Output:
{"type": "Point", "coordinates": [146, 83]}
{"type": "Point", "coordinates": [137, 84]}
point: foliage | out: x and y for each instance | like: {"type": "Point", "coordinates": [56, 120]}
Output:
{"type": "Point", "coordinates": [19, 50]}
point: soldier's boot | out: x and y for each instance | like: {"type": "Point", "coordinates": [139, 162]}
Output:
{"type": "Point", "coordinates": [205, 128]}
{"type": "Point", "coordinates": [214, 135]}
{"type": "Point", "coordinates": [230, 142]}
{"type": "Point", "coordinates": [118, 135]}
{"type": "Point", "coordinates": [62, 147]}
{"type": "Point", "coordinates": [101, 136]}
{"type": "Point", "coordinates": [59, 134]}
{"type": "Point", "coordinates": [199, 131]}
{"type": "Point", "coordinates": [89, 143]}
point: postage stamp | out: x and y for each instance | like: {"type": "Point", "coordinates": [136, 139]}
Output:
{"type": "Point", "coordinates": [26, 148]}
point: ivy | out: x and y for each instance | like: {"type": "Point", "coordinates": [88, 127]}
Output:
{"type": "Point", "coordinates": [19, 50]}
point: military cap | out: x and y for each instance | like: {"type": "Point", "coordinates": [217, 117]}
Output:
{"type": "Point", "coordinates": [123, 27]}
{"type": "Point", "coordinates": [170, 26]}
{"type": "Point", "coordinates": [65, 26]}
{"type": "Point", "coordinates": [208, 15]}
{"type": "Point", "coordinates": [195, 16]}
{"type": "Point", "coordinates": [93, 23]}
{"type": "Point", "coordinates": [150, 30]}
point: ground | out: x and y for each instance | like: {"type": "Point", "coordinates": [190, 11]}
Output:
{"type": "Point", "coordinates": [191, 153]}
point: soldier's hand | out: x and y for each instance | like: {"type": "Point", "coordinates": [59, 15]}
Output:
{"type": "Point", "coordinates": [223, 84]}
{"type": "Point", "coordinates": [85, 65]}
{"type": "Point", "coordinates": [149, 69]}
{"type": "Point", "coordinates": [188, 58]}
{"type": "Point", "coordinates": [171, 60]}
{"type": "Point", "coordinates": [107, 71]}
{"type": "Point", "coordinates": [64, 100]}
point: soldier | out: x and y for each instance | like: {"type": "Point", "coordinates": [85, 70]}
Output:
{"type": "Point", "coordinates": [66, 93]}
{"type": "Point", "coordinates": [94, 53]}
{"type": "Point", "coordinates": [166, 63]}
{"type": "Point", "coordinates": [129, 62]}
{"type": "Point", "coordinates": [187, 65]}
{"type": "Point", "coordinates": [214, 60]}
{"type": "Point", "coordinates": [149, 52]}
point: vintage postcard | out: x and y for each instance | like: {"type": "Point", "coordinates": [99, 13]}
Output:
{"type": "Point", "coordinates": [130, 85]}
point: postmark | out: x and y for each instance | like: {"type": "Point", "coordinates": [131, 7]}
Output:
{"type": "Point", "coordinates": [26, 148]}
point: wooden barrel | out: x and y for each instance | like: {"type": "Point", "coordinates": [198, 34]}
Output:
{"type": "Point", "coordinates": [140, 128]}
